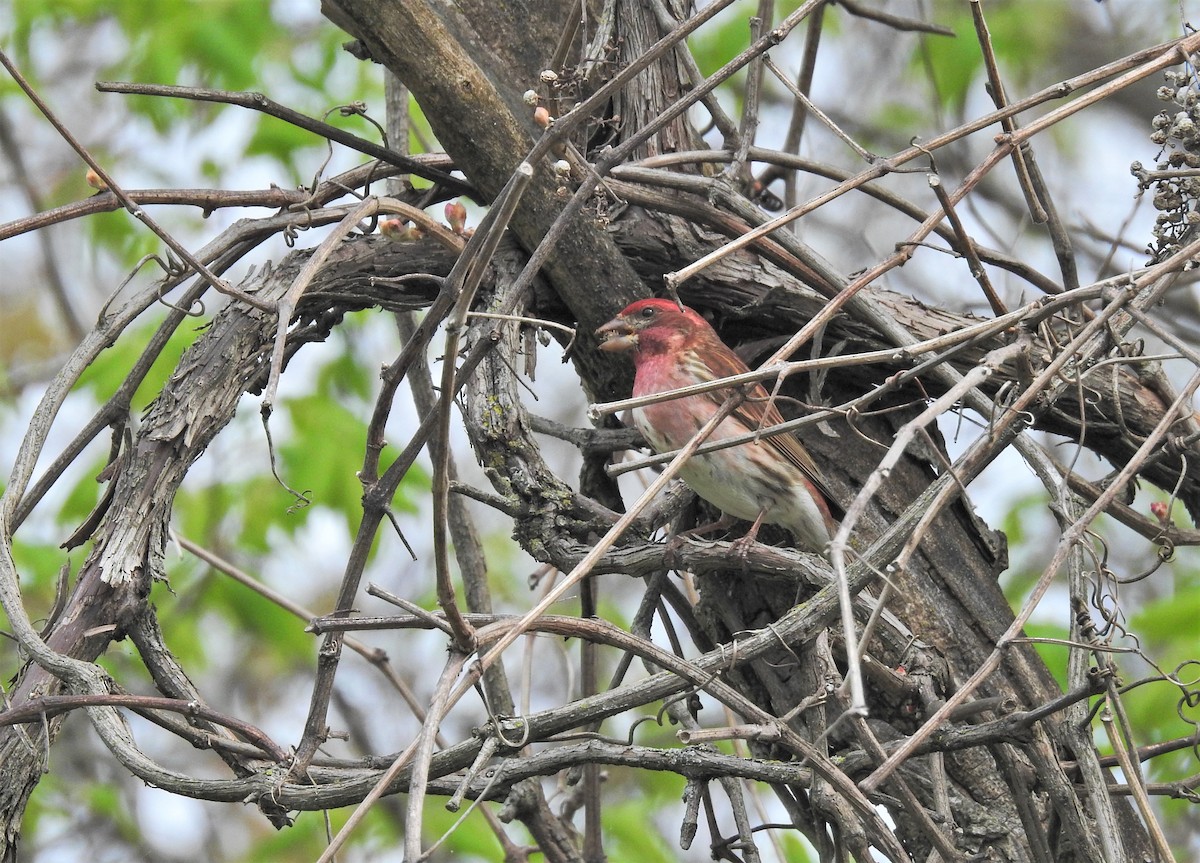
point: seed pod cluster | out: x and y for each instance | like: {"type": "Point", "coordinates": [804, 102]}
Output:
{"type": "Point", "coordinates": [1175, 181]}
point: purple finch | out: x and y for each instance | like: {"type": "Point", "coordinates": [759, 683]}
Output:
{"type": "Point", "coordinates": [772, 480]}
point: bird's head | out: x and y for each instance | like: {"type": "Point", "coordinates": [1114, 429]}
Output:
{"type": "Point", "coordinates": [650, 325]}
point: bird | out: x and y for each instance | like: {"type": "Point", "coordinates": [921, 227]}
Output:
{"type": "Point", "coordinates": [771, 480]}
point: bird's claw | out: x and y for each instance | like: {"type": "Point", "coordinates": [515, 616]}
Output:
{"type": "Point", "coordinates": [739, 551]}
{"type": "Point", "coordinates": [671, 549]}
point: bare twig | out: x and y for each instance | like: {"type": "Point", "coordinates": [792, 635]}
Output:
{"type": "Point", "coordinates": [134, 210]}
{"type": "Point", "coordinates": [259, 102]}
{"type": "Point", "coordinates": [968, 246]}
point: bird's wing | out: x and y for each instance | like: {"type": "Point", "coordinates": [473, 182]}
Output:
{"type": "Point", "coordinates": [758, 412]}
{"type": "Point", "coordinates": [787, 445]}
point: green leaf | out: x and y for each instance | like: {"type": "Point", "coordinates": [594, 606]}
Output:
{"type": "Point", "coordinates": [123, 235]}
{"type": "Point", "coordinates": [794, 850]}
{"type": "Point", "coordinates": [106, 374]}
{"type": "Point", "coordinates": [322, 455]}
{"type": "Point", "coordinates": [1054, 655]}
{"type": "Point", "coordinates": [957, 62]}
{"type": "Point", "coordinates": [631, 836]}
{"type": "Point", "coordinates": [347, 374]}
{"type": "Point", "coordinates": [280, 642]}
{"type": "Point", "coordinates": [83, 496]}
{"type": "Point", "coordinates": [284, 142]}
{"type": "Point", "coordinates": [722, 39]}
{"type": "Point", "coordinates": [39, 565]}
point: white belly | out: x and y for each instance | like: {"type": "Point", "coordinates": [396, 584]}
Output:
{"type": "Point", "coordinates": [721, 479]}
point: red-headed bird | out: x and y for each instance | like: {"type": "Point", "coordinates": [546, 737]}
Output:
{"type": "Point", "coordinates": [772, 480]}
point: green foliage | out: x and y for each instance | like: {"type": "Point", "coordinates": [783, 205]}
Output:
{"type": "Point", "coordinates": [472, 838]}
{"type": "Point", "coordinates": [27, 16]}
{"type": "Point", "coordinates": [214, 43]}
{"type": "Point", "coordinates": [313, 467]}
{"type": "Point", "coordinates": [1017, 582]}
{"type": "Point", "coordinates": [240, 511]}
{"type": "Point", "coordinates": [1163, 710]}
{"type": "Point", "coordinates": [106, 801]}
{"type": "Point", "coordinates": [1158, 625]}
{"type": "Point", "coordinates": [379, 834]}
{"type": "Point", "coordinates": [210, 43]}
{"type": "Point", "coordinates": [346, 374]}
{"type": "Point", "coordinates": [317, 66]}
{"type": "Point", "coordinates": [420, 135]}
{"type": "Point", "coordinates": [82, 497]}
{"type": "Point", "coordinates": [1023, 34]}
{"type": "Point", "coordinates": [893, 115]}
{"type": "Point", "coordinates": [631, 836]}
{"type": "Point", "coordinates": [1054, 655]}
{"type": "Point", "coordinates": [290, 145]}
{"type": "Point", "coordinates": [122, 235]}
{"type": "Point", "coordinates": [794, 850]}
{"type": "Point", "coordinates": [724, 39]}
{"type": "Point", "coordinates": [39, 565]}
{"type": "Point", "coordinates": [110, 369]}
{"type": "Point", "coordinates": [278, 635]}
{"type": "Point", "coordinates": [221, 44]}
{"type": "Point", "coordinates": [304, 839]}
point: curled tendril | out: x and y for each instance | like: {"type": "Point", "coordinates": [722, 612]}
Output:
{"type": "Point", "coordinates": [667, 702]}
{"type": "Point", "coordinates": [172, 267]}
{"type": "Point", "coordinates": [303, 499]}
{"type": "Point", "coordinates": [196, 311]}
{"type": "Point", "coordinates": [292, 230]}
{"type": "Point", "coordinates": [497, 725]}
{"type": "Point", "coordinates": [526, 731]}
{"type": "Point", "coordinates": [359, 109]}
{"type": "Point", "coordinates": [1165, 551]}
{"type": "Point", "coordinates": [176, 269]}
{"type": "Point", "coordinates": [1189, 699]}
{"type": "Point", "coordinates": [1175, 444]}
{"type": "Point", "coordinates": [632, 728]}
{"type": "Point", "coordinates": [1104, 594]}
{"type": "Point", "coordinates": [1087, 626]}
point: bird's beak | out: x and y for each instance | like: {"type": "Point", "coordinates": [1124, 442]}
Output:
{"type": "Point", "coordinates": [617, 335]}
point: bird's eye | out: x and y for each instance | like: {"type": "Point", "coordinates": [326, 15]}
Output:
{"type": "Point", "coordinates": [648, 312]}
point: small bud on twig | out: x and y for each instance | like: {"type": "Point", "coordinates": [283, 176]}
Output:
{"type": "Point", "coordinates": [94, 180]}
{"type": "Point", "coordinates": [456, 216]}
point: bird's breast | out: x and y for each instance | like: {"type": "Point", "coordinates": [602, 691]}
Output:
{"type": "Point", "coordinates": [719, 477]}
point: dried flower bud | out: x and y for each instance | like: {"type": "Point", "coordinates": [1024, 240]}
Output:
{"type": "Point", "coordinates": [562, 169]}
{"type": "Point", "coordinates": [548, 76]}
{"type": "Point", "coordinates": [530, 97]}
